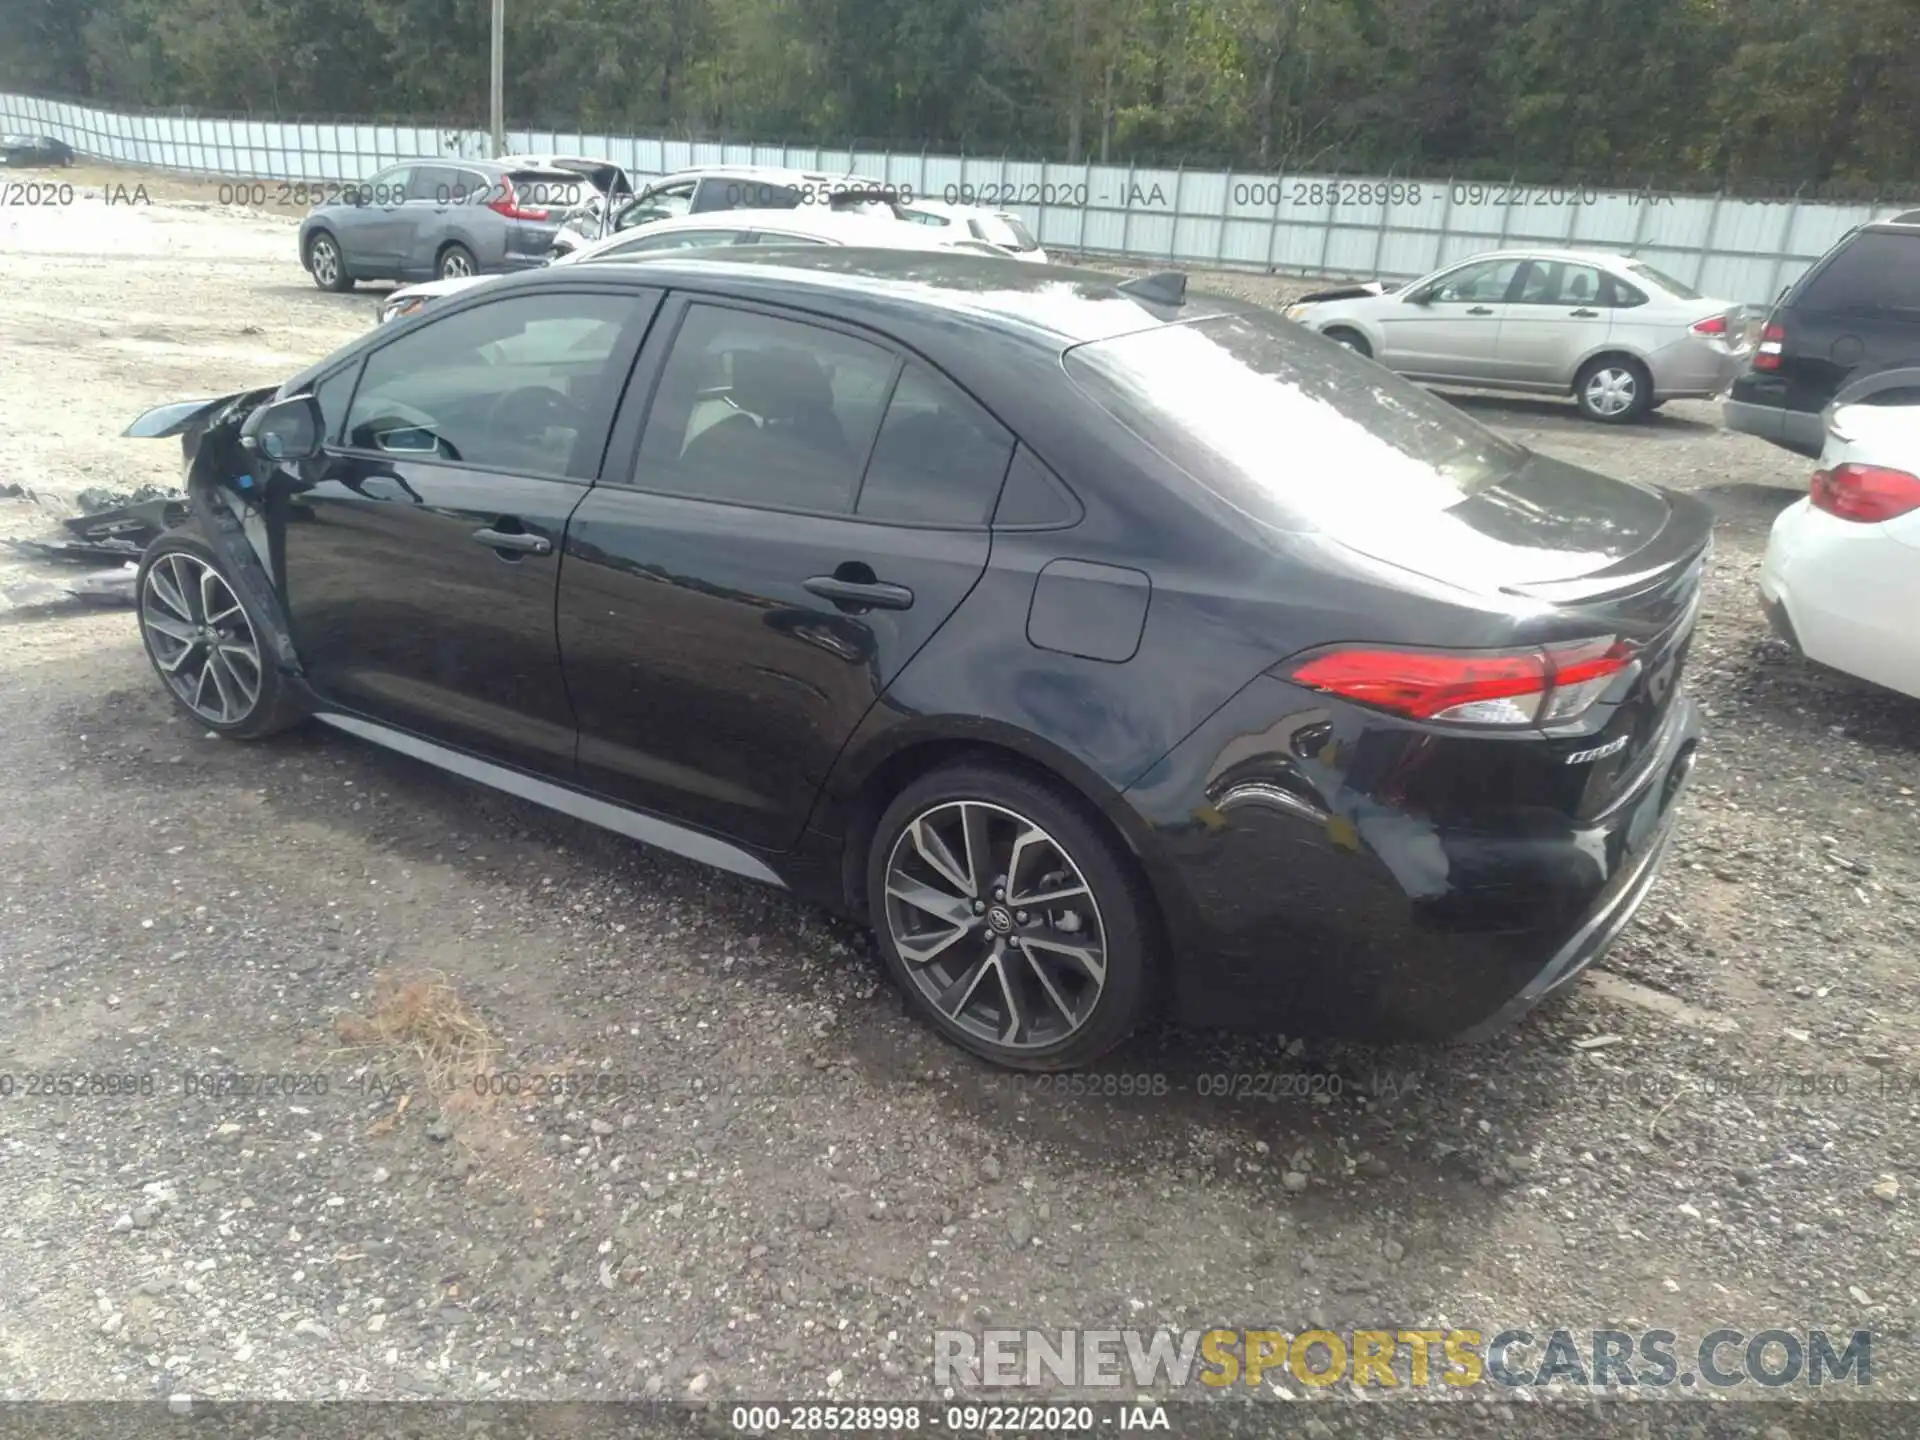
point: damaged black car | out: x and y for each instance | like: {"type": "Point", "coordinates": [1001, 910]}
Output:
{"type": "Point", "coordinates": [1111, 650]}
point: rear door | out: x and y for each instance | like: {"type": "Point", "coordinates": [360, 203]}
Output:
{"type": "Point", "coordinates": [803, 509]}
{"type": "Point", "coordinates": [1449, 329]}
{"type": "Point", "coordinates": [1560, 313]}
{"type": "Point", "coordinates": [421, 553]}
{"type": "Point", "coordinates": [425, 218]}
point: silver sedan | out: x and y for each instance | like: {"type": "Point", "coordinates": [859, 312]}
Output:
{"type": "Point", "coordinates": [1612, 331]}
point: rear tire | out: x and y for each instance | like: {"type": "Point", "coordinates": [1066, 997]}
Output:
{"type": "Point", "coordinates": [206, 644]}
{"type": "Point", "coordinates": [326, 264]}
{"type": "Point", "coordinates": [456, 262]}
{"type": "Point", "coordinates": [1613, 389]}
{"type": "Point", "coordinates": [1032, 941]}
{"type": "Point", "coordinates": [1352, 339]}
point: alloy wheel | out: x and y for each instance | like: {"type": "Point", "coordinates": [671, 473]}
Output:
{"type": "Point", "coordinates": [324, 261]}
{"type": "Point", "coordinates": [1612, 390]}
{"type": "Point", "coordinates": [996, 925]}
{"type": "Point", "coordinates": [201, 639]}
{"type": "Point", "coordinates": [454, 265]}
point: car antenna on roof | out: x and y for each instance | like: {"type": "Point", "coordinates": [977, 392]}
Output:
{"type": "Point", "coordinates": [1168, 287]}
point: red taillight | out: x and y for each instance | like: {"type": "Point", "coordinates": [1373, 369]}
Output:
{"type": "Point", "coordinates": [1773, 341]}
{"type": "Point", "coordinates": [509, 205]}
{"type": "Point", "coordinates": [1867, 493]}
{"type": "Point", "coordinates": [1472, 687]}
{"type": "Point", "coordinates": [1712, 325]}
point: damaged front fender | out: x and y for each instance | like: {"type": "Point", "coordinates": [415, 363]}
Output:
{"type": "Point", "coordinates": [234, 508]}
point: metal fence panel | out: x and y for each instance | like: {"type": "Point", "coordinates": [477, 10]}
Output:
{"type": "Point", "coordinates": [1394, 227]}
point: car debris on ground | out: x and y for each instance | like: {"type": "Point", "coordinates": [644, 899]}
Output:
{"type": "Point", "coordinates": [115, 526]}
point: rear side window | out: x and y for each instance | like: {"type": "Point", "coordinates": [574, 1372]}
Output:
{"type": "Point", "coordinates": [1877, 270]}
{"type": "Point", "coordinates": [1288, 429]}
{"type": "Point", "coordinates": [939, 459]}
{"type": "Point", "coordinates": [757, 410]}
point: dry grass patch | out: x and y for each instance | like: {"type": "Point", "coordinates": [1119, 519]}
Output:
{"type": "Point", "coordinates": [423, 1019]}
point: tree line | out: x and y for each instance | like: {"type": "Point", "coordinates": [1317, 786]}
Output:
{"type": "Point", "coordinates": [1699, 92]}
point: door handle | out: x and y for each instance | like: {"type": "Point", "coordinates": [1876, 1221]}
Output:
{"type": "Point", "coordinates": [1479, 310]}
{"type": "Point", "coordinates": [513, 540]}
{"type": "Point", "coordinates": [859, 594]}
{"type": "Point", "coordinates": [1586, 314]}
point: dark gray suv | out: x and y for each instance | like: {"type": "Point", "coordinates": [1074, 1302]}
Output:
{"type": "Point", "coordinates": [438, 219]}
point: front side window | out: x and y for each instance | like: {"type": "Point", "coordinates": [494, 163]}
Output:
{"type": "Point", "coordinates": [1484, 283]}
{"type": "Point", "coordinates": [512, 385]}
{"type": "Point", "coordinates": [757, 410]}
{"type": "Point", "coordinates": [332, 395]}
{"type": "Point", "coordinates": [939, 459]}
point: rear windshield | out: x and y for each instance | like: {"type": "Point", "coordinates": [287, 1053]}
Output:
{"type": "Point", "coordinates": [1288, 428]}
{"type": "Point", "coordinates": [1665, 281]}
{"type": "Point", "coordinates": [1876, 270]}
{"type": "Point", "coordinates": [561, 188]}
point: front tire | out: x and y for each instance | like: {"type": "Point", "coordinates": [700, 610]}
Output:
{"type": "Point", "coordinates": [327, 265]}
{"type": "Point", "coordinates": [1613, 389]}
{"type": "Point", "coordinates": [1352, 339]}
{"type": "Point", "coordinates": [1009, 918]}
{"type": "Point", "coordinates": [206, 645]}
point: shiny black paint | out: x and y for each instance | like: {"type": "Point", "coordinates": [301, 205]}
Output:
{"type": "Point", "coordinates": [1313, 862]}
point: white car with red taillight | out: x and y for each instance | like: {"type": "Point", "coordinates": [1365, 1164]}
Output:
{"type": "Point", "coordinates": [1841, 578]}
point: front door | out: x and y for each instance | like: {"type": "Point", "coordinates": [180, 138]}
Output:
{"type": "Point", "coordinates": [802, 512]}
{"type": "Point", "coordinates": [1449, 329]}
{"type": "Point", "coordinates": [422, 552]}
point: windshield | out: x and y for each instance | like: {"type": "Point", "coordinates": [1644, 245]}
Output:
{"type": "Point", "coordinates": [1664, 281]}
{"type": "Point", "coordinates": [1288, 428]}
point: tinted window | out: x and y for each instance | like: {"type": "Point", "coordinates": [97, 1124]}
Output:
{"type": "Point", "coordinates": [676, 240]}
{"type": "Point", "coordinates": [724, 192]}
{"type": "Point", "coordinates": [939, 459]}
{"type": "Point", "coordinates": [1556, 282]}
{"type": "Point", "coordinates": [332, 394]}
{"type": "Point", "coordinates": [763, 411]}
{"type": "Point", "coordinates": [1661, 280]}
{"type": "Point", "coordinates": [1879, 270]}
{"type": "Point", "coordinates": [1033, 497]}
{"type": "Point", "coordinates": [1485, 282]}
{"type": "Point", "coordinates": [1287, 429]}
{"type": "Point", "coordinates": [508, 386]}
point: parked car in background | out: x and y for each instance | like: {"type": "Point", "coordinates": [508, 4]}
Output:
{"type": "Point", "coordinates": [1612, 331]}
{"type": "Point", "coordinates": [441, 218]}
{"type": "Point", "coordinates": [1841, 576]}
{"type": "Point", "coordinates": [982, 222]}
{"type": "Point", "coordinates": [734, 187]}
{"type": "Point", "coordinates": [1112, 651]}
{"type": "Point", "coordinates": [724, 227]}
{"type": "Point", "coordinates": [1857, 308]}
{"type": "Point", "coordinates": [608, 187]}
{"type": "Point", "coordinates": [23, 151]}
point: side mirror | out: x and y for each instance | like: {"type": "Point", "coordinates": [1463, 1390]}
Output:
{"type": "Point", "coordinates": [1418, 297]}
{"type": "Point", "coordinates": [289, 429]}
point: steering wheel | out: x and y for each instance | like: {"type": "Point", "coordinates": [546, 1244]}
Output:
{"type": "Point", "coordinates": [527, 414]}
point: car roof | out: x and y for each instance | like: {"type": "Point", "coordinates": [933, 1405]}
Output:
{"type": "Point", "coordinates": [774, 173]}
{"type": "Point", "coordinates": [1055, 306]}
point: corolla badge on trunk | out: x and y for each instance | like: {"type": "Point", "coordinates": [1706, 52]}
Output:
{"type": "Point", "coordinates": [1598, 752]}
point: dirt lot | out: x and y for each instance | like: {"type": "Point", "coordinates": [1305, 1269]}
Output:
{"type": "Point", "coordinates": [777, 1185]}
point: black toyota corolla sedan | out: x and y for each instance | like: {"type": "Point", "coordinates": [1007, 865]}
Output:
{"type": "Point", "coordinates": [1111, 650]}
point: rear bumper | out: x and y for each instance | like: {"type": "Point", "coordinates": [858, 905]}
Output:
{"type": "Point", "coordinates": [1844, 595]}
{"type": "Point", "coordinates": [1375, 924]}
{"type": "Point", "coordinates": [1757, 404]}
{"type": "Point", "coordinates": [1693, 369]}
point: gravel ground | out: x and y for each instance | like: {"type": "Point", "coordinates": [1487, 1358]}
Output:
{"type": "Point", "coordinates": [761, 1178]}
